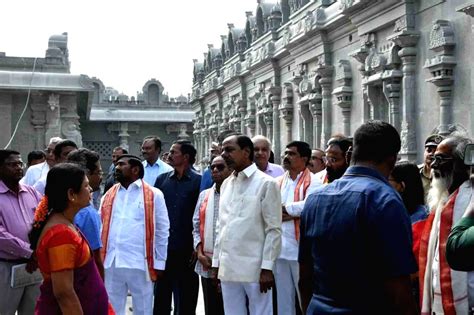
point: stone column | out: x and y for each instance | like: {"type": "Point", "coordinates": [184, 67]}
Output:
{"type": "Point", "coordinates": [343, 93]}
{"type": "Point", "coordinates": [469, 10]}
{"type": "Point", "coordinates": [286, 109]}
{"type": "Point", "coordinates": [38, 120]}
{"type": "Point", "coordinates": [441, 67]}
{"type": "Point", "coordinates": [123, 135]}
{"type": "Point", "coordinates": [317, 113]}
{"type": "Point", "coordinates": [324, 70]}
{"type": "Point", "coordinates": [70, 119]}
{"type": "Point", "coordinates": [408, 40]}
{"type": "Point", "coordinates": [250, 116]}
{"type": "Point", "coordinates": [5, 119]}
{"type": "Point", "coordinates": [53, 121]}
{"type": "Point", "coordinates": [275, 98]}
{"type": "Point", "coordinates": [391, 90]}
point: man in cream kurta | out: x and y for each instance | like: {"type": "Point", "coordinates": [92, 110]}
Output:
{"type": "Point", "coordinates": [249, 231]}
{"type": "Point", "coordinates": [125, 260]}
{"type": "Point", "coordinates": [296, 185]}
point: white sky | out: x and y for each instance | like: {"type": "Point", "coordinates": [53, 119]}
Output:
{"type": "Point", "coordinates": [123, 43]}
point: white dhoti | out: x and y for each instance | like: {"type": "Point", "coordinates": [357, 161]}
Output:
{"type": "Point", "coordinates": [286, 279]}
{"type": "Point", "coordinates": [233, 294]}
{"type": "Point", "coordinates": [118, 281]}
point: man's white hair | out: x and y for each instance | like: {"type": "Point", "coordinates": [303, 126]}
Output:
{"type": "Point", "coordinates": [55, 140]}
{"type": "Point", "coordinates": [262, 138]}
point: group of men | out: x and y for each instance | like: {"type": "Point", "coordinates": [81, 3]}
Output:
{"type": "Point", "coordinates": [323, 233]}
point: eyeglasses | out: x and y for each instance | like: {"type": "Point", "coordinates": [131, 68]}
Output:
{"type": "Point", "coordinates": [439, 159]}
{"type": "Point", "coordinates": [219, 167]}
{"type": "Point", "coordinates": [19, 164]}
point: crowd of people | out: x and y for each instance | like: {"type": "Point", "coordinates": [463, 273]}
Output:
{"type": "Point", "coordinates": [348, 229]}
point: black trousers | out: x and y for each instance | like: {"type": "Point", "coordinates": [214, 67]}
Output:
{"type": "Point", "coordinates": [213, 303]}
{"type": "Point", "coordinates": [179, 280]}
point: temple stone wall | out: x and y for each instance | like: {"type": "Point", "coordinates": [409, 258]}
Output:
{"type": "Point", "coordinates": [336, 64]}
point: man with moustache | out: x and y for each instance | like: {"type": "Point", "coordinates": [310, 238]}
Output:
{"type": "Point", "coordinates": [205, 219]}
{"type": "Point", "coordinates": [442, 289]}
{"type": "Point", "coordinates": [110, 179]}
{"type": "Point", "coordinates": [17, 207]}
{"type": "Point", "coordinates": [425, 169]}
{"type": "Point", "coordinates": [181, 190]}
{"type": "Point", "coordinates": [262, 147]}
{"type": "Point", "coordinates": [317, 162]}
{"type": "Point", "coordinates": [154, 166]}
{"type": "Point", "coordinates": [336, 162]}
{"type": "Point", "coordinates": [61, 151]}
{"type": "Point", "coordinates": [249, 232]}
{"type": "Point", "coordinates": [35, 172]}
{"type": "Point", "coordinates": [135, 230]}
{"type": "Point", "coordinates": [295, 185]}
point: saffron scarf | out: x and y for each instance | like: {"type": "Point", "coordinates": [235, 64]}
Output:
{"type": "Point", "coordinates": [300, 193]}
{"type": "Point", "coordinates": [206, 222]}
{"type": "Point", "coordinates": [453, 284]}
{"type": "Point", "coordinates": [106, 214]}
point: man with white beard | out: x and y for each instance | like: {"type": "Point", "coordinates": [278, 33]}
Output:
{"type": "Point", "coordinates": [443, 290]}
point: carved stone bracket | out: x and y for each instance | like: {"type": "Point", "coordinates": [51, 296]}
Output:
{"type": "Point", "coordinates": [441, 67]}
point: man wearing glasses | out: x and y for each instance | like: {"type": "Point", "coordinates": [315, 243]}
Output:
{"type": "Point", "coordinates": [204, 234]}
{"type": "Point", "coordinates": [17, 207]}
{"type": "Point", "coordinates": [35, 172]}
{"type": "Point", "coordinates": [336, 162]}
{"type": "Point", "coordinates": [317, 162]}
{"type": "Point", "coordinates": [442, 289]}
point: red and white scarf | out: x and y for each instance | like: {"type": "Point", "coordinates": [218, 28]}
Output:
{"type": "Point", "coordinates": [300, 192]}
{"type": "Point", "coordinates": [453, 284]}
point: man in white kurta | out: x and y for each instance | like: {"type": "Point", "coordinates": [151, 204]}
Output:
{"type": "Point", "coordinates": [249, 232]}
{"type": "Point", "coordinates": [125, 263]}
{"type": "Point", "coordinates": [295, 185]}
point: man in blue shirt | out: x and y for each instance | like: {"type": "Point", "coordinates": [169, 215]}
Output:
{"type": "Point", "coordinates": [88, 219]}
{"type": "Point", "coordinates": [355, 248]}
{"type": "Point", "coordinates": [180, 188]}
{"type": "Point", "coordinates": [151, 149]}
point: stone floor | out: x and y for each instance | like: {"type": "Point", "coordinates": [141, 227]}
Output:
{"type": "Point", "coordinates": [199, 309]}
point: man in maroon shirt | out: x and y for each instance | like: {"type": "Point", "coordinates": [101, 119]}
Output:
{"type": "Point", "coordinates": [17, 206]}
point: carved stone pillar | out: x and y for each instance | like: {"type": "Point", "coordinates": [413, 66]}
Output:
{"type": "Point", "coordinates": [275, 98]}
{"type": "Point", "coordinates": [70, 119]}
{"type": "Point", "coordinates": [317, 112]}
{"type": "Point", "coordinates": [241, 111]}
{"type": "Point", "coordinates": [250, 116]}
{"type": "Point", "coordinates": [343, 93]}
{"type": "Point", "coordinates": [53, 121]}
{"type": "Point", "coordinates": [408, 40]}
{"type": "Point", "coordinates": [469, 10]}
{"type": "Point", "coordinates": [123, 135]}
{"type": "Point", "coordinates": [286, 109]}
{"type": "Point", "coordinates": [442, 67]}
{"type": "Point", "coordinates": [391, 89]}
{"type": "Point", "coordinates": [296, 82]}
{"type": "Point", "coordinates": [38, 120]}
{"type": "Point", "coordinates": [325, 70]}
